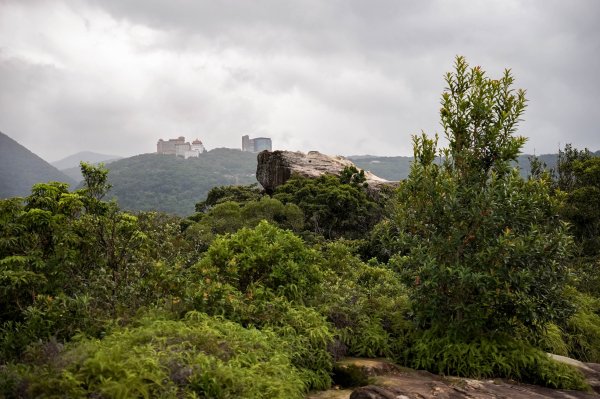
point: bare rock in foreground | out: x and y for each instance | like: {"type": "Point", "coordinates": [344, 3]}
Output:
{"type": "Point", "coordinates": [388, 381]}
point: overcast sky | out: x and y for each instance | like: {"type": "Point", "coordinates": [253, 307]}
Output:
{"type": "Point", "coordinates": [341, 77]}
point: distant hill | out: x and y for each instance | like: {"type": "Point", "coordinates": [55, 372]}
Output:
{"type": "Point", "coordinates": [397, 168]}
{"type": "Point", "coordinates": [70, 164]}
{"type": "Point", "coordinates": [389, 168]}
{"type": "Point", "coordinates": [170, 184]}
{"type": "Point", "coordinates": [72, 161]}
{"type": "Point", "coordinates": [20, 169]}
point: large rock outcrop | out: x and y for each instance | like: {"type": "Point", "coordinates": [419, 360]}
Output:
{"type": "Point", "coordinates": [274, 168]}
{"type": "Point", "coordinates": [389, 381]}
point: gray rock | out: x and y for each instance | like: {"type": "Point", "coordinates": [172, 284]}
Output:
{"type": "Point", "coordinates": [274, 168]}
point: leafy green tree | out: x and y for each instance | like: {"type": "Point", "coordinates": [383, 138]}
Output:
{"type": "Point", "coordinates": [221, 194]}
{"type": "Point", "coordinates": [331, 207]}
{"type": "Point", "coordinates": [483, 250]}
{"type": "Point", "coordinates": [578, 175]}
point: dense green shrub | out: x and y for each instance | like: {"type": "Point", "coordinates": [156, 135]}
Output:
{"type": "Point", "coordinates": [366, 303]}
{"type": "Point", "coordinates": [582, 330]}
{"type": "Point", "coordinates": [266, 256]}
{"type": "Point", "coordinates": [229, 217]}
{"type": "Point", "coordinates": [199, 356]}
{"type": "Point", "coordinates": [332, 207]}
{"type": "Point", "coordinates": [221, 194]}
{"type": "Point", "coordinates": [499, 356]}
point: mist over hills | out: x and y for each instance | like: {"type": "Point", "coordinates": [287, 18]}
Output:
{"type": "Point", "coordinates": [20, 169]}
{"type": "Point", "coordinates": [70, 164]}
{"type": "Point", "coordinates": [72, 161]}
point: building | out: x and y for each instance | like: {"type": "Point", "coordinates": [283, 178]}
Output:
{"type": "Point", "coordinates": [179, 147]}
{"type": "Point", "coordinates": [169, 147]}
{"type": "Point", "coordinates": [195, 150]}
{"type": "Point", "coordinates": [257, 144]}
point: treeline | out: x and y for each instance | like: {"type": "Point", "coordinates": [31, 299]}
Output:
{"type": "Point", "coordinates": [466, 269]}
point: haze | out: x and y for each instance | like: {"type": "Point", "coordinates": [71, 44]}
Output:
{"type": "Point", "coordinates": [341, 77]}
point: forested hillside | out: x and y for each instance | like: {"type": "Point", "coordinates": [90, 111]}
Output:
{"type": "Point", "coordinates": [21, 168]}
{"type": "Point", "coordinates": [171, 184]}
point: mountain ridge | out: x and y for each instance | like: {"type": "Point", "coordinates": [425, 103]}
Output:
{"type": "Point", "coordinates": [20, 169]}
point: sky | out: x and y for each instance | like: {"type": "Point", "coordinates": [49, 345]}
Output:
{"type": "Point", "coordinates": [343, 77]}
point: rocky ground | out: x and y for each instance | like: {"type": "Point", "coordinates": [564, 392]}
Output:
{"type": "Point", "coordinates": [384, 380]}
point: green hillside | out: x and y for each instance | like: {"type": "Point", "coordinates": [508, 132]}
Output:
{"type": "Point", "coordinates": [21, 168]}
{"type": "Point", "coordinates": [170, 184]}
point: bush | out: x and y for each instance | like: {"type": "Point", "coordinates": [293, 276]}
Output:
{"type": "Point", "coordinates": [582, 330]}
{"type": "Point", "coordinates": [485, 358]}
{"type": "Point", "coordinates": [366, 303]}
{"type": "Point", "coordinates": [200, 356]}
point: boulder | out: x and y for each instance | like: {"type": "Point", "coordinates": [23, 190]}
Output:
{"type": "Point", "coordinates": [387, 380]}
{"type": "Point", "coordinates": [274, 168]}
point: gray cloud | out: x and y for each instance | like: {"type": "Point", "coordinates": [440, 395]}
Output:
{"type": "Point", "coordinates": [348, 77]}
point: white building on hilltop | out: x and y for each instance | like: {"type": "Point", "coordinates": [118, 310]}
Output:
{"type": "Point", "coordinates": [195, 150]}
{"type": "Point", "coordinates": [179, 147]}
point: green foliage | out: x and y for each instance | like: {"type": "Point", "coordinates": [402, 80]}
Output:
{"type": "Point", "coordinates": [199, 356]}
{"type": "Point", "coordinates": [157, 182]}
{"type": "Point", "coordinates": [582, 330]}
{"type": "Point", "coordinates": [483, 250]}
{"type": "Point", "coordinates": [263, 277]}
{"type": "Point", "coordinates": [331, 208]}
{"type": "Point", "coordinates": [265, 255]}
{"type": "Point", "coordinates": [498, 357]}
{"type": "Point", "coordinates": [366, 303]}
{"type": "Point", "coordinates": [229, 217]}
{"type": "Point", "coordinates": [480, 116]}
{"type": "Point", "coordinates": [579, 176]}
{"type": "Point", "coordinates": [71, 263]}
{"type": "Point", "coordinates": [351, 175]}
{"type": "Point", "coordinates": [218, 195]}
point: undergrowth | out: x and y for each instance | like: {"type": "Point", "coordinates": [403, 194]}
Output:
{"type": "Point", "coordinates": [502, 357]}
{"type": "Point", "coordinates": [199, 356]}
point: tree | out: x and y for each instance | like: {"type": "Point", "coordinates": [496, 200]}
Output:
{"type": "Point", "coordinates": [483, 249]}
{"type": "Point", "coordinates": [333, 206]}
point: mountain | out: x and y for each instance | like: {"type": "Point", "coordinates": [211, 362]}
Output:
{"type": "Point", "coordinates": [70, 165]}
{"type": "Point", "coordinates": [20, 169]}
{"type": "Point", "coordinates": [72, 161]}
{"type": "Point", "coordinates": [171, 184]}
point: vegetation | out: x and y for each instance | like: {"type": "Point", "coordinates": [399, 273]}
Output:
{"type": "Point", "coordinates": [156, 182]}
{"type": "Point", "coordinates": [466, 269]}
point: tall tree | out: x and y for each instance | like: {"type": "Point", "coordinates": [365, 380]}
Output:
{"type": "Point", "coordinates": [482, 248]}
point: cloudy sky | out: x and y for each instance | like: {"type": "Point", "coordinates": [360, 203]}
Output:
{"type": "Point", "coordinates": [338, 76]}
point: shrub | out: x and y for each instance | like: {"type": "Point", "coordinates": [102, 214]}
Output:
{"type": "Point", "coordinates": [200, 355]}
{"type": "Point", "coordinates": [497, 357]}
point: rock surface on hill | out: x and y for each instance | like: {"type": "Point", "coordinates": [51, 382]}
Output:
{"type": "Point", "coordinates": [274, 168]}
